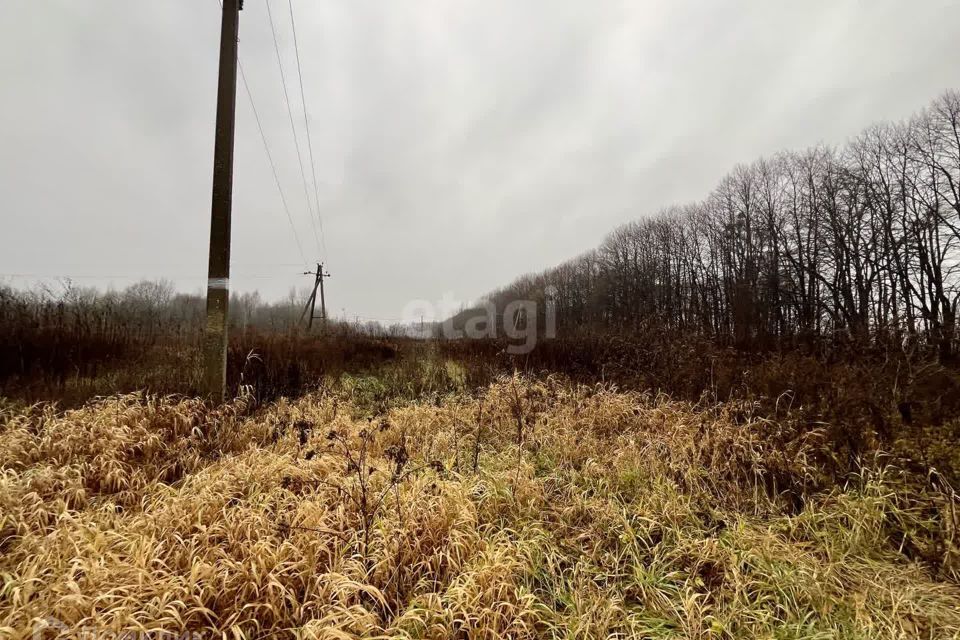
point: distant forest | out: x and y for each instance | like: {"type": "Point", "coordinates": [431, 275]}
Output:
{"type": "Point", "coordinates": [854, 245]}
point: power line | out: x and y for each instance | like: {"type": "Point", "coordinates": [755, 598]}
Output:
{"type": "Point", "coordinates": [266, 147]}
{"type": "Point", "coordinates": [155, 266]}
{"type": "Point", "coordinates": [52, 276]}
{"type": "Point", "coordinates": [293, 128]}
{"type": "Point", "coordinates": [306, 122]}
{"type": "Point", "coordinates": [273, 165]}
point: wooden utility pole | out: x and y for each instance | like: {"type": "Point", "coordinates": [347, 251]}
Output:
{"type": "Point", "coordinates": [323, 298]}
{"type": "Point", "coordinates": [218, 271]}
{"type": "Point", "coordinates": [311, 306]}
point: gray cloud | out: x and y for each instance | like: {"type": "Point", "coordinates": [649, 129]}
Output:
{"type": "Point", "coordinates": [459, 142]}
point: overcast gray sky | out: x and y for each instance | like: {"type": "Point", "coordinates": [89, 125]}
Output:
{"type": "Point", "coordinates": [459, 143]}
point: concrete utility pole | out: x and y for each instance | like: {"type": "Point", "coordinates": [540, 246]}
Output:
{"type": "Point", "coordinates": [319, 276]}
{"type": "Point", "coordinates": [218, 272]}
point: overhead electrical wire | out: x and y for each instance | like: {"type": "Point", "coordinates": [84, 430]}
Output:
{"type": "Point", "coordinates": [293, 128]}
{"type": "Point", "coordinates": [273, 166]}
{"type": "Point", "coordinates": [266, 148]}
{"type": "Point", "coordinates": [115, 276]}
{"type": "Point", "coordinates": [306, 122]}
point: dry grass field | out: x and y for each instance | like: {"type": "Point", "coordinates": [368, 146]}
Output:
{"type": "Point", "coordinates": [533, 508]}
{"type": "Point", "coordinates": [709, 406]}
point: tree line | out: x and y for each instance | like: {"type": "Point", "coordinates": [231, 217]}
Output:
{"type": "Point", "coordinates": [856, 244]}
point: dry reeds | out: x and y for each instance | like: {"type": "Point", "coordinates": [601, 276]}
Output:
{"type": "Point", "coordinates": [627, 515]}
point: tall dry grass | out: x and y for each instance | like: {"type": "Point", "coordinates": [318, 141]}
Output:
{"type": "Point", "coordinates": [868, 399]}
{"type": "Point", "coordinates": [535, 509]}
{"type": "Point", "coordinates": [82, 343]}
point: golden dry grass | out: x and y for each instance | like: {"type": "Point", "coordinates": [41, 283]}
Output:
{"type": "Point", "coordinates": [583, 513]}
